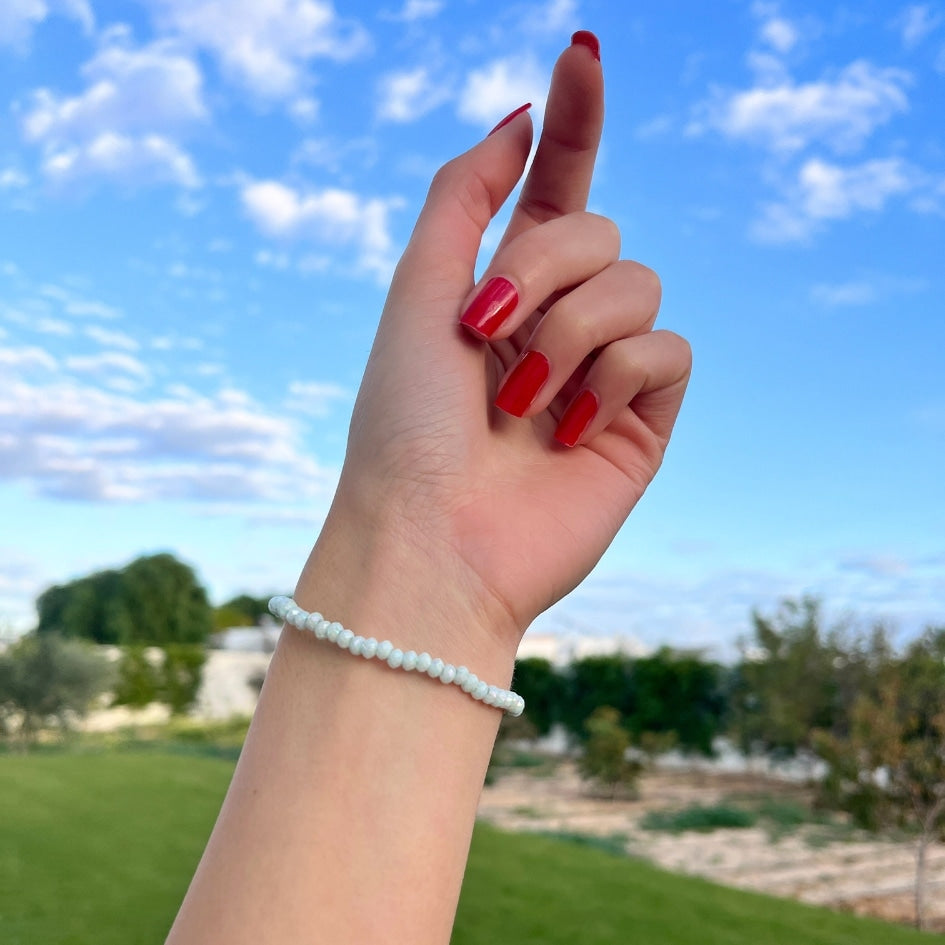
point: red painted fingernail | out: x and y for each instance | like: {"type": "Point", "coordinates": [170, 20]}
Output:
{"type": "Point", "coordinates": [577, 418]}
{"type": "Point", "coordinates": [587, 38]}
{"type": "Point", "coordinates": [523, 384]}
{"type": "Point", "coordinates": [518, 111]}
{"type": "Point", "coordinates": [490, 308]}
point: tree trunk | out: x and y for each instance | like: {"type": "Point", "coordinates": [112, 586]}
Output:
{"type": "Point", "coordinates": [924, 840]}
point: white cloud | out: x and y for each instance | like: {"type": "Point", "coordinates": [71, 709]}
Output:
{"type": "Point", "coordinates": [315, 398]}
{"type": "Point", "coordinates": [78, 306]}
{"type": "Point", "coordinates": [13, 179]}
{"type": "Point", "coordinates": [53, 326]}
{"type": "Point", "coordinates": [18, 18]}
{"type": "Point", "coordinates": [553, 16]}
{"type": "Point", "coordinates": [779, 33]}
{"type": "Point", "coordinates": [122, 124]}
{"type": "Point", "coordinates": [107, 363]}
{"type": "Point", "coordinates": [418, 10]}
{"type": "Point", "coordinates": [916, 22]}
{"type": "Point", "coordinates": [111, 339]}
{"type": "Point", "coordinates": [843, 293]}
{"type": "Point", "coordinates": [69, 438]}
{"type": "Point", "coordinates": [496, 89]}
{"type": "Point", "coordinates": [826, 192]}
{"type": "Point", "coordinates": [406, 96]}
{"type": "Point", "coordinates": [264, 45]}
{"type": "Point", "coordinates": [332, 216]}
{"type": "Point", "coordinates": [786, 117]}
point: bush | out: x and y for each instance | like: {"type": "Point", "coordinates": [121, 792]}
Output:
{"type": "Point", "coordinates": [699, 818]}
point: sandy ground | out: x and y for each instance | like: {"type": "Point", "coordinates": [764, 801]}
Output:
{"type": "Point", "coordinates": [863, 875]}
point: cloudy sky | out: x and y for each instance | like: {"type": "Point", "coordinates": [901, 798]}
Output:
{"type": "Point", "coordinates": [201, 202]}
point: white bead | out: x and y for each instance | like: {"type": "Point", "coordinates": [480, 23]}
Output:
{"type": "Point", "coordinates": [293, 614]}
{"type": "Point", "coordinates": [462, 674]}
{"type": "Point", "coordinates": [384, 649]}
{"type": "Point", "coordinates": [518, 707]}
{"type": "Point", "coordinates": [493, 696]}
{"type": "Point", "coordinates": [448, 674]}
{"type": "Point", "coordinates": [410, 661]}
{"type": "Point", "coordinates": [321, 629]}
{"type": "Point", "coordinates": [278, 606]}
{"type": "Point", "coordinates": [436, 667]}
{"type": "Point", "coordinates": [471, 681]}
{"type": "Point", "coordinates": [312, 621]}
{"type": "Point", "coordinates": [480, 691]}
{"type": "Point", "coordinates": [423, 662]}
{"type": "Point", "coordinates": [345, 638]}
{"type": "Point", "coordinates": [369, 649]}
{"type": "Point", "coordinates": [354, 647]}
{"type": "Point", "coordinates": [395, 659]}
{"type": "Point", "coordinates": [334, 628]}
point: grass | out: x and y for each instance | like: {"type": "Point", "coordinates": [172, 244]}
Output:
{"type": "Point", "coordinates": [97, 848]}
{"type": "Point", "coordinates": [698, 817]}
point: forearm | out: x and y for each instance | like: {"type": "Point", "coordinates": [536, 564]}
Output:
{"type": "Point", "coordinates": [351, 809]}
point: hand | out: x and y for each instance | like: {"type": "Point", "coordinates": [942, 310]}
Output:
{"type": "Point", "coordinates": [489, 503]}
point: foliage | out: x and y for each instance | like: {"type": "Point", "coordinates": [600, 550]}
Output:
{"type": "Point", "coordinates": [171, 675]}
{"type": "Point", "coordinates": [591, 683]}
{"type": "Point", "coordinates": [241, 611]}
{"type": "Point", "coordinates": [605, 752]}
{"type": "Point", "coordinates": [698, 817]}
{"type": "Point", "coordinates": [889, 770]}
{"type": "Point", "coordinates": [44, 680]}
{"type": "Point", "coordinates": [788, 682]}
{"type": "Point", "coordinates": [154, 600]}
{"type": "Point", "coordinates": [542, 688]}
{"type": "Point", "coordinates": [103, 846]}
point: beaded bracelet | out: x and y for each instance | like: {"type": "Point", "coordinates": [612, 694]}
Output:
{"type": "Point", "coordinates": [285, 608]}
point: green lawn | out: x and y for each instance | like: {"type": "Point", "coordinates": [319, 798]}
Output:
{"type": "Point", "coordinates": [98, 848]}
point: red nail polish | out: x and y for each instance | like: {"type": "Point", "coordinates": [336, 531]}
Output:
{"type": "Point", "coordinates": [587, 38]}
{"type": "Point", "coordinates": [518, 111]}
{"type": "Point", "coordinates": [521, 388]}
{"type": "Point", "coordinates": [490, 308]}
{"type": "Point", "coordinates": [577, 418]}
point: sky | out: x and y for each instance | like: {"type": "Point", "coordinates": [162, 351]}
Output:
{"type": "Point", "coordinates": [202, 201]}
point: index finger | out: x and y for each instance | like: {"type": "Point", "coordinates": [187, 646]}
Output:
{"type": "Point", "coordinates": [560, 176]}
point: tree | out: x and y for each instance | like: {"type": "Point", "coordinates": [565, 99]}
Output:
{"type": "Point", "coordinates": [593, 682]}
{"type": "Point", "coordinates": [44, 680]}
{"type": "Point", "coordinates": [787, 682]}
{"type": "Point", "coordinates": [542, 688]}
{"type": "Point", "coordinates": [889, 770]}
{"type": "Point", "coordinates": [155, 599]}
{"type": "Point", "coordinates": [242, 610]}
{"type": "Point", "coordinates": [172, 675]}
{"type": "Point", "coordinates": [605, 752]}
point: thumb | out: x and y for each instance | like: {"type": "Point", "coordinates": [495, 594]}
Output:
{"type": "Point", "coordinates": [464, 196]}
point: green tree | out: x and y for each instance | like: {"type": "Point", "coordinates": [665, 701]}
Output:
{"type": "Point", "coordinates": [542, 687]}
{"type": "Point", "coordinates": [787, 681]}
{"type": "Point", "coordinates": [138, 679]}
{"type": "Point", "coordinates": [155, 599]}
{"type": "Point", "coordinates": [889, 769]}
{"type": "Point", "coordinates": [181, 675]}
{"type": "Point", "coordinates": [594, 682]}
{"type": "Point", "coordinates": [243, 610]}
{"type": "Point", "coordinates": [45, 680]}
{"type": "Point", "coordinates": [604, 759]}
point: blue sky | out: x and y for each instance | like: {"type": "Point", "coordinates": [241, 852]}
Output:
{"type": "Point", "coordinates": [201, 202]}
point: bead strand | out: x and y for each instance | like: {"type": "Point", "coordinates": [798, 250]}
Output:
{"type": "Point", "coordinates": [285, 608]}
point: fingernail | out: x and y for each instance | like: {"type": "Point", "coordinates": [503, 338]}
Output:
{"type": "Point", "coordinates": [490, 308]}
{"type": "Point", "coordinates": [577, 418]}
{"type": "Point", "coordinates": [521, 388]}
{"type": "Point", "coordinates": [518, 111]}
{"type": "Point", "coordinates": [587, 38]}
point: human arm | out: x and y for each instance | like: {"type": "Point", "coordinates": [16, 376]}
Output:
{"type": "Point", "coordinates": [350, 813]}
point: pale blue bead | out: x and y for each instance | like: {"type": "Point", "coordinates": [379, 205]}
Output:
{"type": "Point", "coordinates": [321, 629]}
{"type": "Point", "coordinates": [312, 621]}
{"type": "Point", "coordinates": [293, 614]}
{"type": "Point", "coordinates": [493, 695]}
{"type": "Point", "coordinates": [462, 674]}
{"type": "Point", "coordinates": [436, 667]}
{"type": "Point", "coordinates": [278, 606]}
{"type": "Point", "coordinates": [472, 680]}
{"type": "Point", "coordinates": [518, 708]}
{"type": "Point", "coordinates": [480, 691]}
{"type": "Point", "coordinates": [354, 647]}
{"type": "Point", "coordinates": [423, 662]}
{"type": "Point", "coordinates": [448, 674]}
{"type": "Point", "coordinates": [369, 649]}
{"type": "Point", "coordinates": [345, 638]}
{"type": "Point", "coordinates": [410, 661]}
{"type": "Point", "coordinates": [395, 659]}
{"type": "Point", "coordinates": [505, 701]}
{"type": "Point", "coordinates": [334, 628]}
{"type": "Point", "coordinates": [384, 649]}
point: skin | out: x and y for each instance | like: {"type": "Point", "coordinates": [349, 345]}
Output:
{"type": "Point", "coordinates": [351, 809]}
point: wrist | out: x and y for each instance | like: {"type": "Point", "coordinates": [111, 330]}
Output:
{"type": "Point", "coordinates": [381, 579]}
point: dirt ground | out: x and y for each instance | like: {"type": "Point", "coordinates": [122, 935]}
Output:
{"type": "Point", "coordinates": [838, 869]}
